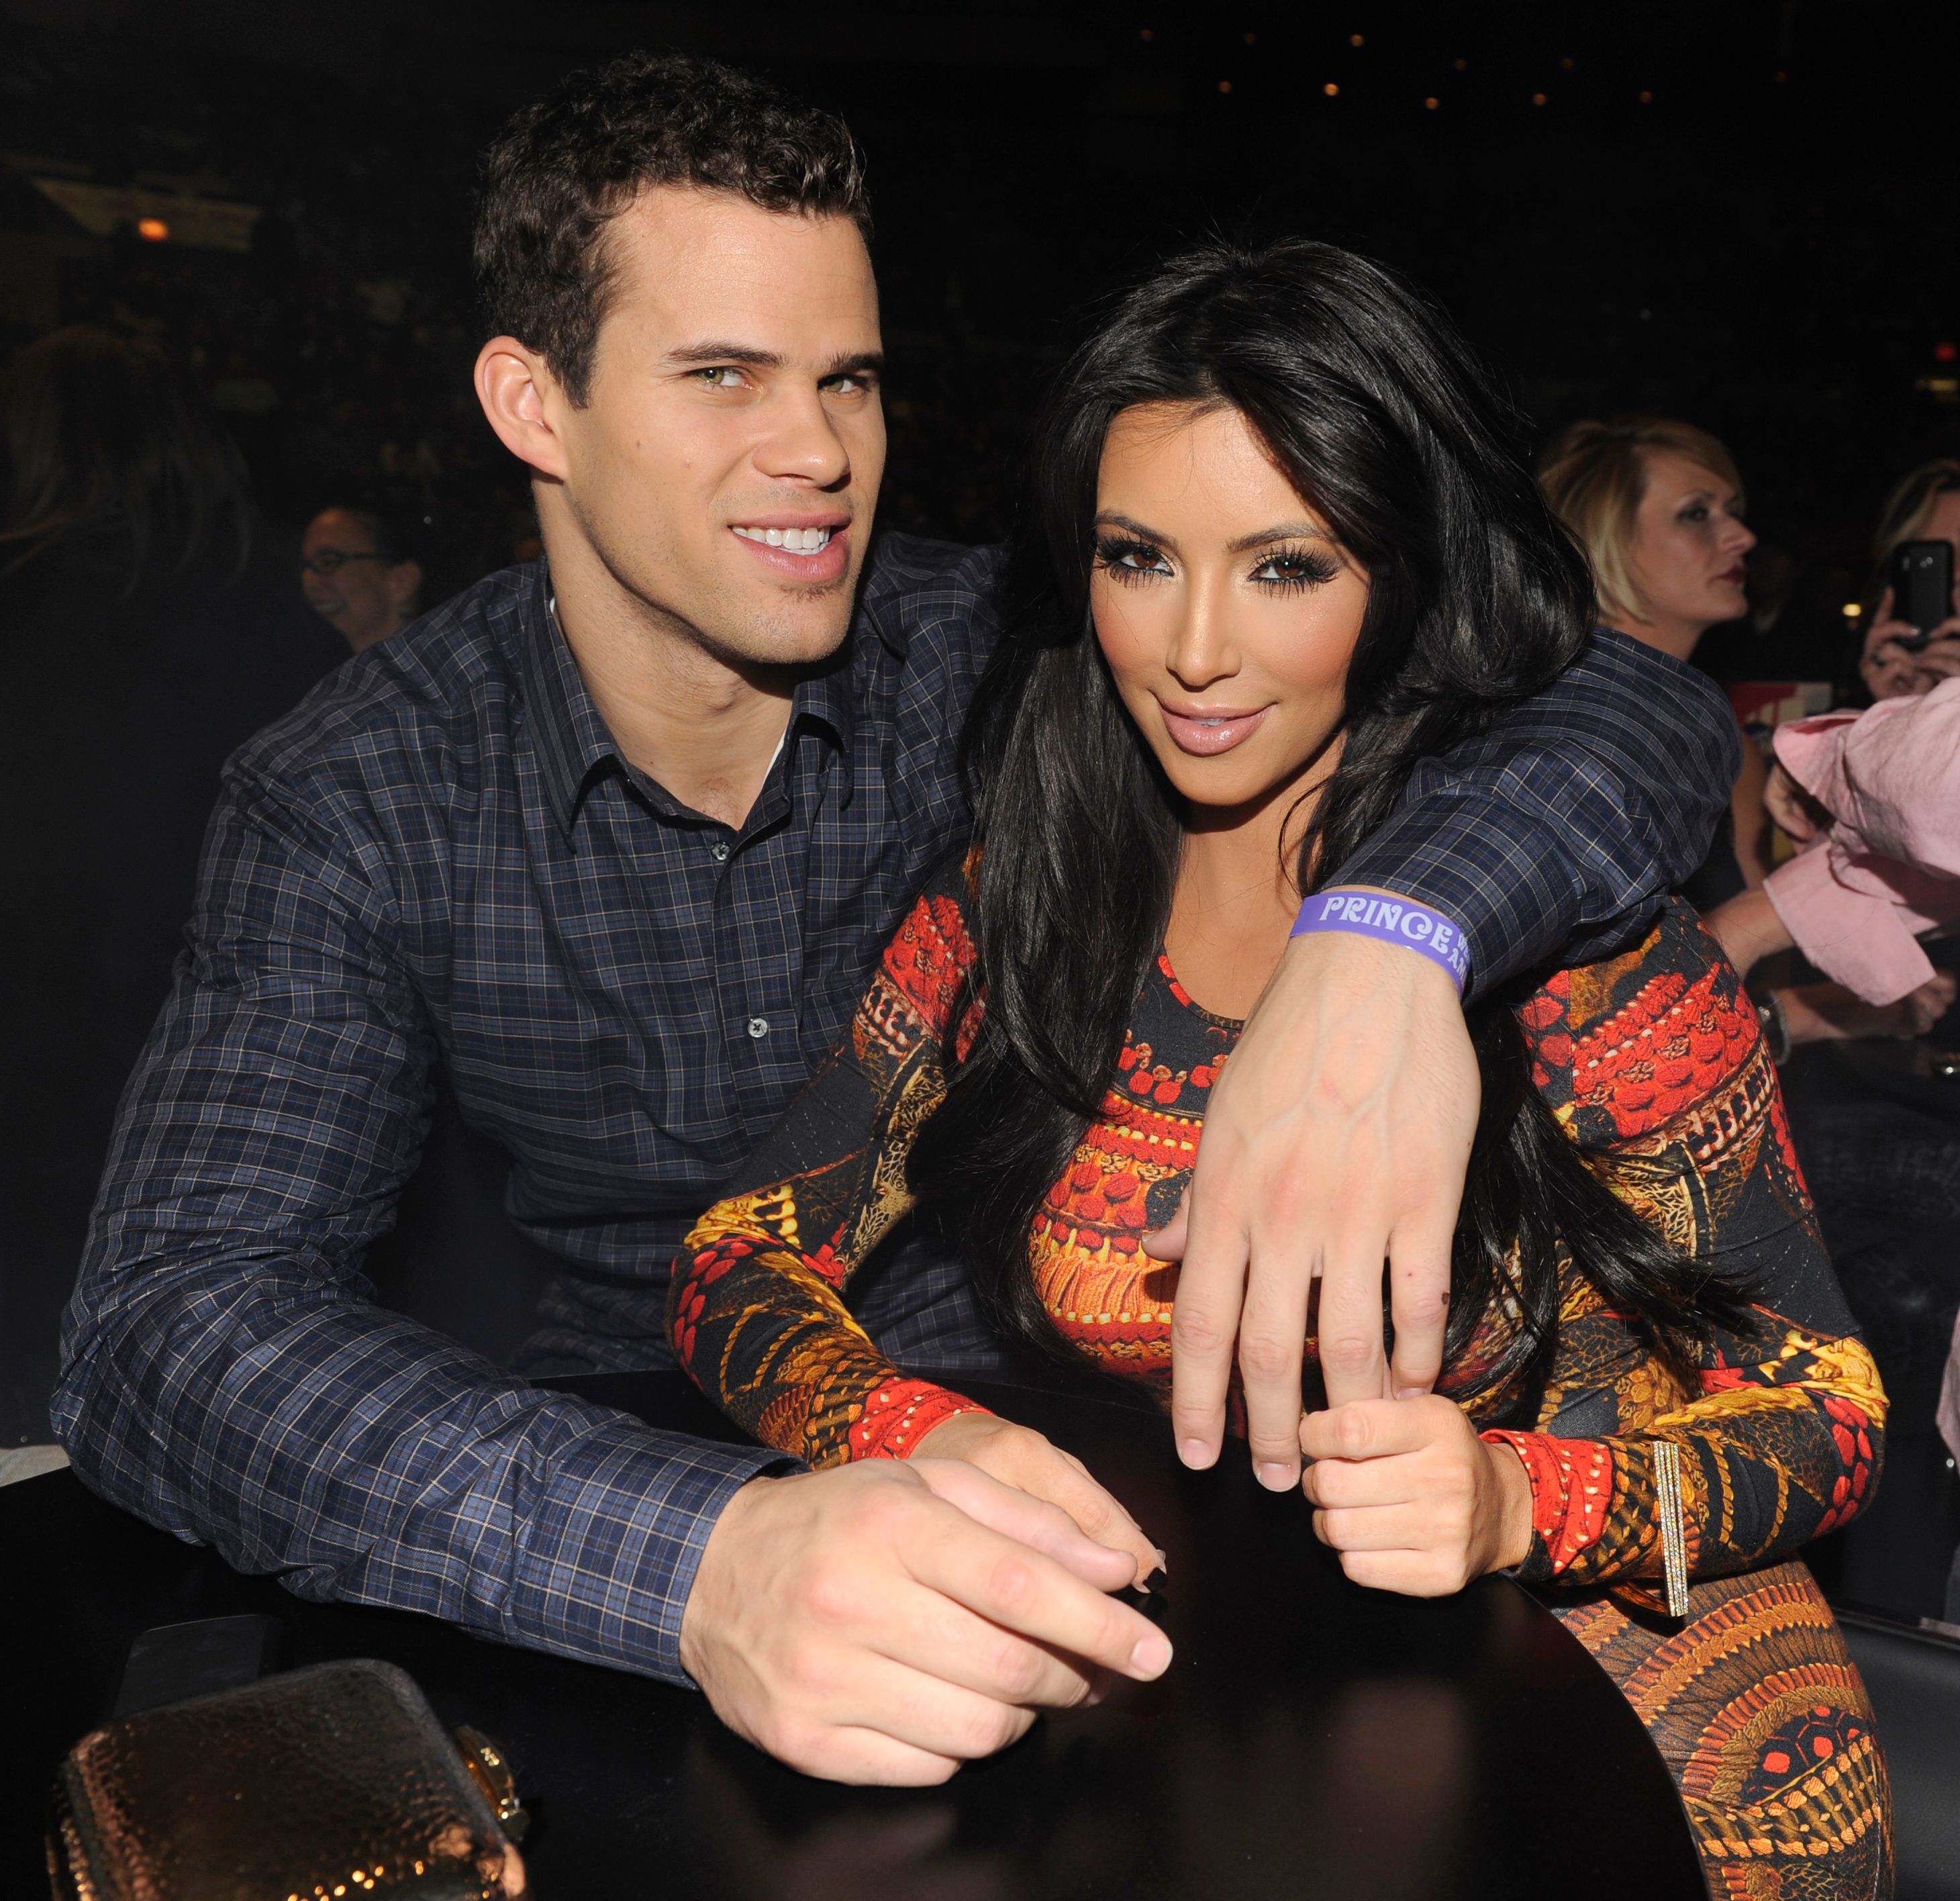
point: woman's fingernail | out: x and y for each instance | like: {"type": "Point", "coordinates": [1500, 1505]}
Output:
{"type": "Point", "coordinates": [1197, 1454]}
{"type": "Point", "coordinates": [1156, 1581]}
{"type": "Point", "coordinates": [1151, 1657]}
{"type": "Point", "coordinates": [1276, 1477]}
{"type": "Point", "coordinates": [1411, 1393]}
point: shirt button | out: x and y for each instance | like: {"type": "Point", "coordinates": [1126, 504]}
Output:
{"type": "Point", "coordinates": [759, 1028]}
{"type": "Point", "coordinates": [718, 850]}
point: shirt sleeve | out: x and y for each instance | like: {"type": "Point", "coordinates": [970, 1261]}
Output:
{"type": "Point", "coordinates": [755, 1307]}
{"type": "Point", "coordinates": [1656, 1064]}
{"type": "Point", "coordinates": [1559, 830]}
{"type": "Point", "coordinates": [226, 1374]}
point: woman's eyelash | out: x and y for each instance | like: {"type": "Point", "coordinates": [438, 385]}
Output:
{"type": "Point", "coordinates": [1128, 560]}
{"type": "Point", "coordinates": [1301, 568]}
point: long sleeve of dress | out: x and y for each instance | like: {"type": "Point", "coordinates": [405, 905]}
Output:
{"type": "Point", "coordinates": [756, 1310]}
{"type": "Point", "coordinates": [1654, 1062]}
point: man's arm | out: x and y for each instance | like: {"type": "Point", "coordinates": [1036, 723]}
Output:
{"type": "Point", "coordinates": [1339, 1135]}
{"type": "Point", "coordinates": [227, 1376]}
{"type": "Point", "coordinates": [225, 1373]}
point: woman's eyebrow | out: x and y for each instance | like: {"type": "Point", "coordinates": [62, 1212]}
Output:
{"type": "Point", "coordinates": [1110, 518]}
{"type": "Point", "coordinates": [1284, 531]}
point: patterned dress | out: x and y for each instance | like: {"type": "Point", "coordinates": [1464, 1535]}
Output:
{"type": "Point", "coordinates": [1651, 1060]}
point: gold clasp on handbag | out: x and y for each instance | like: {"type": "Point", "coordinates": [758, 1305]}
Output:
{"type": "Point", "coordinates": [491, 1774]}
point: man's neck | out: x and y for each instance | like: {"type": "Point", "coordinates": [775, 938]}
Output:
{"type": "Point", "coordinates": [706, 729]}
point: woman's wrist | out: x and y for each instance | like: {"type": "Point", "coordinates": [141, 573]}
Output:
{"type": "Point", "coordinates": [1516, 1526]}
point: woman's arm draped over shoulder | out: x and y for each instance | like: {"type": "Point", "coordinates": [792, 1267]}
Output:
{"type": "Point", "coordinates": [755, 1309]}
{"type": "Point", "coordinates": [1655, 1060]}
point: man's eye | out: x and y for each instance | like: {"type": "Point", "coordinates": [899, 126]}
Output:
{"type": "Point", "coordinates": [721, 376]}
{"type": "Point", "coordinates": [855, 385]}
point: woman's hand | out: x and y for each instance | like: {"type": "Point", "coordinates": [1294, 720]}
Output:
{"type": "Point", "coordinates": [1410, 1496]}
{"type": "Point", "coordinates": [1020, 1457]}
{"type": "Point", "coordinates": [1891, 671]}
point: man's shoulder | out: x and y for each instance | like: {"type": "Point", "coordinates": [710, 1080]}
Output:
{"type": "Point", "coordinates": [445, 682]}
{"type": "Point", "coordinates": [930, 599]}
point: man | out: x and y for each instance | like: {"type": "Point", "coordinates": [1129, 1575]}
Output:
{"type": "Point", "coordinates": [358, 574]}
{"type": "Point", "coordinates": [619, 836]}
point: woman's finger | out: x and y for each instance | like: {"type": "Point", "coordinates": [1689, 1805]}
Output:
{"type": "Point", "coordinates": [1398, 1527]}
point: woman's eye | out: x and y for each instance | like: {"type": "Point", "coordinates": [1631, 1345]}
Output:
{"type": "Point", "coordinates": [1300, 570]}
{"type": "Point", "coordinates": [1697, 512]}
{"type": "Point", "coordinates": [1129, 560]}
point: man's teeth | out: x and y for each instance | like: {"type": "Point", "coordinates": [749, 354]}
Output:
{"type": "Point", "coordinates": [798, 541]}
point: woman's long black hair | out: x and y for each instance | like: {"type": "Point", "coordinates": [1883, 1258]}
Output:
{"type": "Point", "coordinates": [1388, 427]}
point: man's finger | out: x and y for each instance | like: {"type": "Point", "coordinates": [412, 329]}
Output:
{"type": "Point", "coordinates": [1272, 1347]}
{"type": "Point", "coordinates": [1353, 1362]}
{"type": "Point", "coordinates": [1034, 1522]}
{"type": "Point", "coordinates": [1022, 1591]}
{"type": "Point", "coordinates": [1205, 1322]}
{"type": "Point", "coordinates": [927, 1632]}
{"type": "Point", "coordinates": [1419, 1253]}
{"type": "Point", "coordinates": [923, 1707]}
{"type": "Point", "coordinates": [865, 1757]}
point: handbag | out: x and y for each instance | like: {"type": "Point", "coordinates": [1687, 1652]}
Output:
{"type": "Point", "coordinates": [327, 1784]}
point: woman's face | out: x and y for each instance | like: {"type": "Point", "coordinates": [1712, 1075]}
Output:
{"type": "Point", "coordinates": [1689, 542]}
{"type": "Point", "coordinates": [1227, 611]}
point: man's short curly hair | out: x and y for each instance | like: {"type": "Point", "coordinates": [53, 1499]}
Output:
{"type": "Point", "coordinates": [565, 167]}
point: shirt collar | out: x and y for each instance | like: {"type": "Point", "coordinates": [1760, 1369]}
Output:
{"type": "Point", "coordinates": [574, 743]}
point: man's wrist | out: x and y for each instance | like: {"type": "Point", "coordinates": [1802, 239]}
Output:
{"type": "Point", "coordinates": [1389, 919]}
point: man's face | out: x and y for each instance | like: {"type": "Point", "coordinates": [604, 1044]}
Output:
{"type": "Point", "coordinates": [349, 583]}
{"type": "Point", "coordinates": [726, 464]}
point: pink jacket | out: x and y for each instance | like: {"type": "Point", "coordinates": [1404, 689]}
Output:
{"type": "Point", "coordinates": [1889, 868]}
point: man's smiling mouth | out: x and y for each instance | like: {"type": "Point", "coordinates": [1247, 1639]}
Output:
{"type": "Point", "coordinates": [796, 541]}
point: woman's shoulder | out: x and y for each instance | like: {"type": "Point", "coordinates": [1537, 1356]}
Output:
{"type": "Point", "coordinates": [1622, 1047]}
{"type": "Point", "coordinates": [930, 953]}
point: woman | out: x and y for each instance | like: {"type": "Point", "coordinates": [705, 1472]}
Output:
{"type": "Point", "coordinates": [1657, 505]}
{"type": "Point", "coordinates": [1274, 551]}
{"type": "Point", "coordinates": [1925, 506]}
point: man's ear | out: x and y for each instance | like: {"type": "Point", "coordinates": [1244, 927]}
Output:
{"type": "Point", "coordinates": [521, 397]}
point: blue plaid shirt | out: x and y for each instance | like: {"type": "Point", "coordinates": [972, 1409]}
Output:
{"type": "Point", "coordinates": [442, 851]}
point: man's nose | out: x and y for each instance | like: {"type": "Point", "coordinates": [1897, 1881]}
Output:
{"type": "Point", "coordinates": [803, 445]}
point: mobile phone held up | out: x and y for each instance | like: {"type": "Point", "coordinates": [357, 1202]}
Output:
{"type": "Point", "coordinates": [1922, 580]}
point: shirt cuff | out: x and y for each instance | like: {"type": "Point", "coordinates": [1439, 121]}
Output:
{"type": "Point", "coordinates": [1858, 938]}
{"type": "Point", "coordinates": [1502, 878]}
{"type": "Point", "coordinates": [616, 1541]}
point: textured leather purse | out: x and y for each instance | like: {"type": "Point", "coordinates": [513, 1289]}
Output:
{"type": "Point", "coordinates": [323, 1784]}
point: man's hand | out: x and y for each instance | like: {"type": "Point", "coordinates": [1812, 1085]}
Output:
{"type": "Point", "coordinates": [1336, 1139]}
{"type": "Point", "coordinates": [1412, 1499]}
{"type": "Point", "coordinates": [888, 1621]}
{"type": "Point", "coordinates": [1021, 1457]}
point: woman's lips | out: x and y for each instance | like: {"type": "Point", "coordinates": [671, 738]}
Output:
{"type": "Point", "coordinates": [1206, 734]}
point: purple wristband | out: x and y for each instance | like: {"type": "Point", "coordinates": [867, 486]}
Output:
{"type": "Point", "coordinates": [1368, 914]}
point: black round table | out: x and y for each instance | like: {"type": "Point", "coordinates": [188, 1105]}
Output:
{"type": "Point", "coordinates": [1310, 1739]}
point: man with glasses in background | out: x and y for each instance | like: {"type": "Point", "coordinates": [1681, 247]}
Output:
{"type": "Point", "coordinates": [358, 575]}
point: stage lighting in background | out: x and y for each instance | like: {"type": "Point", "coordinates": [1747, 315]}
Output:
{"type": "Point", "coordinates": [154, 230]}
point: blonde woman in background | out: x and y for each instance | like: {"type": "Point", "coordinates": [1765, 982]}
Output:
{"type": "Point", "coordinates": [1925, 506]}
{"type": "Point", "coordinates": [1657, 506]}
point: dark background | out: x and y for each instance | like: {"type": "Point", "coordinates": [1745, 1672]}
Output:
{"type": "Point", "coordinates": [1739, 213]}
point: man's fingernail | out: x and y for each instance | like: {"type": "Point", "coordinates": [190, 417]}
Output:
{"type": "Point", "coordinates": [1151, 1657]}
{"type": "Point", "coordinates": [1276, 1477]}
{"type": "Point", "coordinates": [1197, 1454]}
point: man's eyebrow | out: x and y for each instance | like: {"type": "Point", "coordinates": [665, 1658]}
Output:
{"type": "Point", "coordinates": [1282, 531]}
{"type": "Point", "coordinates": [700, 355]}
{"type": "Point", "coordinates": [693, 355]}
